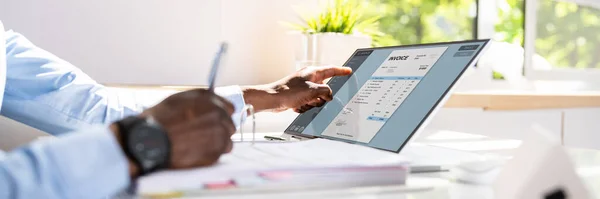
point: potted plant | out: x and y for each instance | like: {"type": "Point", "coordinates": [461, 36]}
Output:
{"type": "Point", "coordinates": [330, 36]}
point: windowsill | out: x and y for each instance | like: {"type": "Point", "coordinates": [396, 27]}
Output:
{"type": "Point", "coordinates": [523, 100]}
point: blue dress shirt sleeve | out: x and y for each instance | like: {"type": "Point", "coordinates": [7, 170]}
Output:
{"type": "Point", "coordinates": [76, 165]}
{"type": "Point", "coordinates": [50, 94]}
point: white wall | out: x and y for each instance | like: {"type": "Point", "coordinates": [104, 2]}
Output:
{"type": "Point", "coordinates": [262, 51]}
{"type": "Point", "coordinates": [159, 41]}
{"type": "Point", "coordinates": [155, 41]}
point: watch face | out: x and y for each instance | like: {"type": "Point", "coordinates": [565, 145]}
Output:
{"type": "Point", "coordinates": [149, 145]}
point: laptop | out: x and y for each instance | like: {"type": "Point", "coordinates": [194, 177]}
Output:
{"type": "Point", "coordinates": [391, 95]}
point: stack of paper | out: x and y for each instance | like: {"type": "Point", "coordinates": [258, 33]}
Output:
{"type": "Point", "coordinates": [250, 166]}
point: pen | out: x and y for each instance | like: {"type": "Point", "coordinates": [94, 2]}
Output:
{"type": "Point", "coordinates": [215, 66]}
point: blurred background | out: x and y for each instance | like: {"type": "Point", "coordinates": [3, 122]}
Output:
{"type": "Point", "coordinates": [170, 42]}
{"type": "Point", "coordinates": [546, 53]}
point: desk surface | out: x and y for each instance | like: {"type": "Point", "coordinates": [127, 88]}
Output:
{"type": "Point", "coordinates": [489, 100]}
{"type": "Point", "coordinates": [586, 161]}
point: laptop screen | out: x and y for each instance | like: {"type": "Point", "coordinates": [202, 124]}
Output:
{"type": "Point", "coordinates": [390, 93]}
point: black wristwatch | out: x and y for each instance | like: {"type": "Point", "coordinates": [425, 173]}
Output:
{"type": "Point", "coordinates": [145, 142]}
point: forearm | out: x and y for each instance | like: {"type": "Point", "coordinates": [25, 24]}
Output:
{"type": "Point", "coordinates": [261, 97]}
{"type": "Point", "coordinates": [77, 165]}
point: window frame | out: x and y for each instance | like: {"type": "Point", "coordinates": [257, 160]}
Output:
{"type": "Point", "coordinates": [486, 13]}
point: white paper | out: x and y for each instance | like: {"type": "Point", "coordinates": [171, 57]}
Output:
{"type": "Point", "coordinates": [246, 159]}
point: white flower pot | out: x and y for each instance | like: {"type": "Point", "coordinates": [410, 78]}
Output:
{"type": "Point", "coordinates": [327, 48]}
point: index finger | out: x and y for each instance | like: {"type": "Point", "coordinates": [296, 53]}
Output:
{"type": "Point", "coordinates": [331, 71]}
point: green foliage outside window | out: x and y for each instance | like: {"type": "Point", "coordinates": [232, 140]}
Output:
{"type": "Point", "coordinates": [424, 21]}
{"type": "Point", "coordinates": [509, 27]}
{"type": "Point", "coordinates": [568, 35]}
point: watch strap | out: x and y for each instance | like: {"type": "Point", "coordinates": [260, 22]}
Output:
{"type": "Point", "coordinates": [125, 125]}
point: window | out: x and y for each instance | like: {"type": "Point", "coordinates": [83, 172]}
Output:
{"type": "Point", "coordinates": [565, 34]}
{"type": "Point", "coordinates": [557, 39]}
{"type": "Point", "coordinates": [425, 21]}
{"type": "Point", "coordinates": [509, 23]}
{"type": "Point", "coordinates": [568, 35]}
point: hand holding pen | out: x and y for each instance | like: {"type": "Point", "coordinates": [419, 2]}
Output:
{"type": "Point", "coordinates": [197, 122]}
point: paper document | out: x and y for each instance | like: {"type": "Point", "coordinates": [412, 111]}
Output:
{"type": "Point", "coordinates": [246, 158]}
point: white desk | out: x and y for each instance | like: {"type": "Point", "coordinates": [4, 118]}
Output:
{"type": "Point", "coordinates": [587, 162]}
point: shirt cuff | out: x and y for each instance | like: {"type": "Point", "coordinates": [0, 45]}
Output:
{"type": "Point", "coordinates": [89, 164]}
{"type": "Point", "coordinates": [234, 95]}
